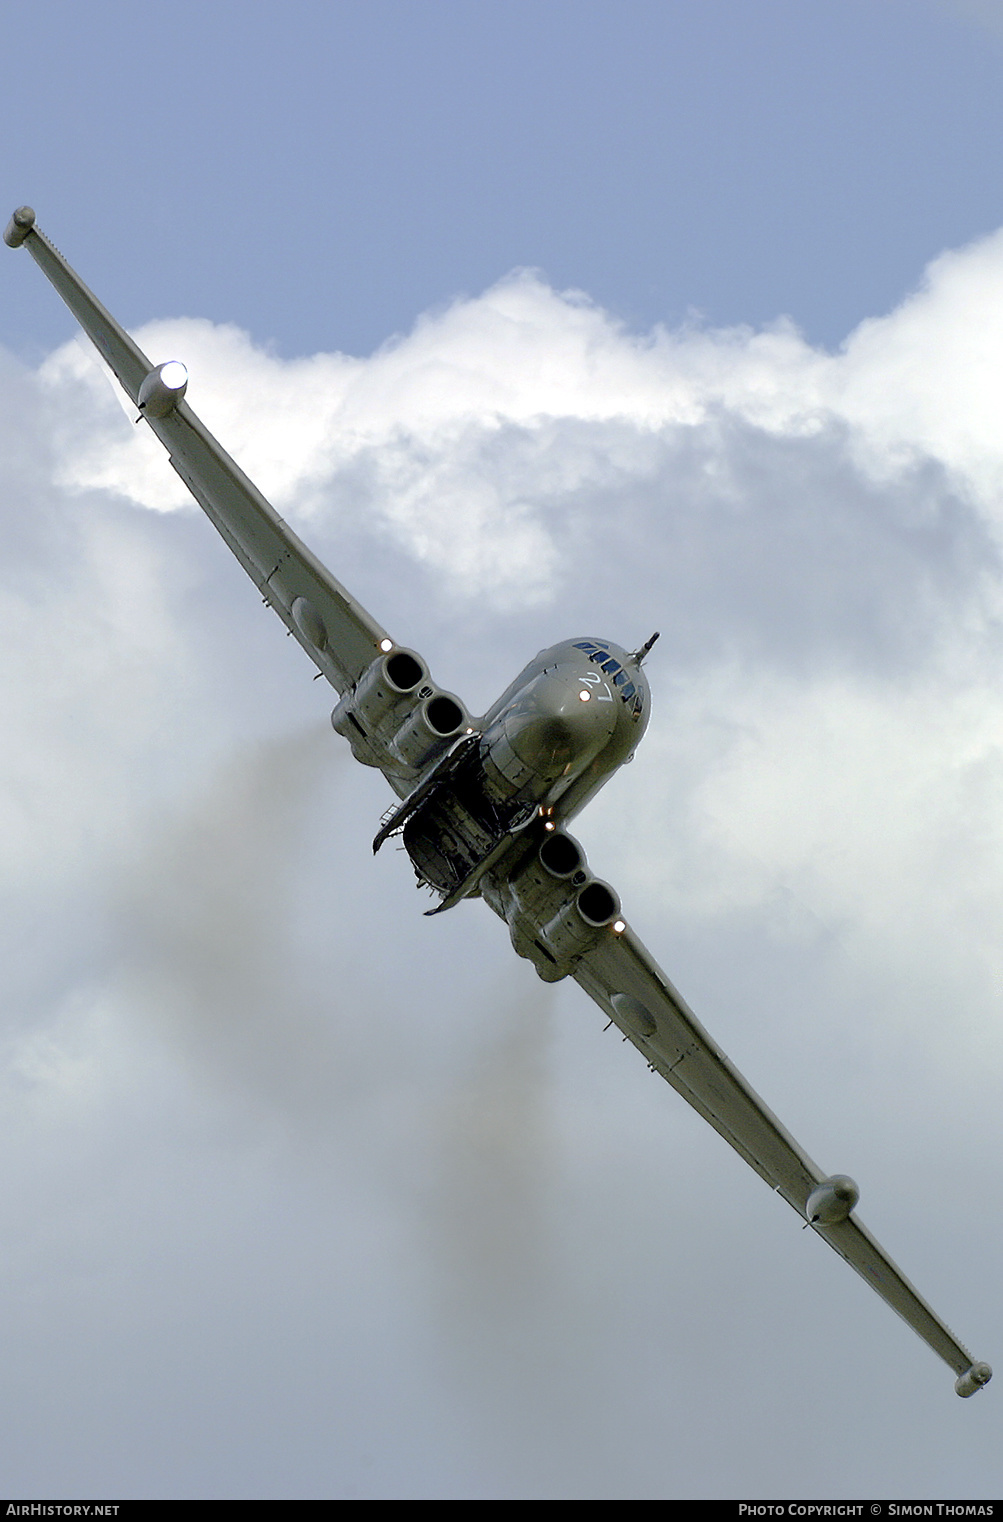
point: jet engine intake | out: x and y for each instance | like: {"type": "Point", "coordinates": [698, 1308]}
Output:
{"type": "Point", "coordinates": [395, 708]}
{"type": "Point", "coordinates": [373, 706]}
{"type": "Point", "coordinates": [561, 855]}
{"type": "Point", "coordinates": [540, 885]}
{"type": "Point", "coordinates": [554, 908]}
{"type": "Point", "coordinates": [429, 729]}
{"type": "Point", "coordinates": [576, 925]}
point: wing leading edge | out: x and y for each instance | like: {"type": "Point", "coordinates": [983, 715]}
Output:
{"type": "Point", "coordinates": [629, 986]}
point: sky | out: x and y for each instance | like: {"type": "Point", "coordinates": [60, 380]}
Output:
{"type": "Point", "coordinates": [535, 321]}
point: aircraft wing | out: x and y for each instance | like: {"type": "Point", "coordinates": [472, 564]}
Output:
{"type": "Point", "coordinates": [629, 986]}
{"type": "Point", "coordinates": [340, 637]}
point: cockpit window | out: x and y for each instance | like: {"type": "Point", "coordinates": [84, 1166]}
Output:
{"type": "Point", "coordinates": [601, 657]}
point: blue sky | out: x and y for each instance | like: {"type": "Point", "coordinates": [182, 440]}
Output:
{"type": "Point", "coordinates": [738, 160]}
{"type": "Point", "coordinates": [534, 320]}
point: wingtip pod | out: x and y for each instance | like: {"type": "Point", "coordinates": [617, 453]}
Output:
{"type": "Point", "coordinates": [973, 1379]}
{"type": "Point", "coordinates": [163, 388]}
{"type": "Point", "coordinates": [832, 1200]}
{"type": "Point", "coordinates": [19, 227]}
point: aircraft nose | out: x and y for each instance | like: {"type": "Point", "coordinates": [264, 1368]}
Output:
{"type": "Point", "coordinates": [558, 725]}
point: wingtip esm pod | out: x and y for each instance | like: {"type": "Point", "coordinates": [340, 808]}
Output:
{"type": "Point", "coordinates": [19, 227]}
{"type": "Point", "coordinates": [163, 388]}
{"type": "Point", "coordinates": [973, 1379]}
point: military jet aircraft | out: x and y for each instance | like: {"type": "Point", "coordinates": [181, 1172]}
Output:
{"type": "Point", "coordinates": [484, 803]}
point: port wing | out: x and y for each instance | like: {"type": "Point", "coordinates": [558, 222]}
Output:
{"type": "Point", "coordinates": [344, 641]}
{"type": "Point", "coordinates": [628, 985]}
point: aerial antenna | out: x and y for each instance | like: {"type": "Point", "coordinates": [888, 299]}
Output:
{"type": "Point", "coordinates": [639, 655]}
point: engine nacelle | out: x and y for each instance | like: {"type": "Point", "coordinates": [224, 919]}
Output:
{"type": "Point", "coordinates": [542, 881]}
{"type": "Point", "coordinates": [832, 1200]}
{"type": "Point", "coordinates": [427, 731]}
{"type": "Point", "coordinates": [554, 908]}
{"type": "Point", "coordinates": [374, 705]}
{"type": "Point", "coordinates": [395, 707]}
{"type": "Point", "coordinates": [576, 925]}
{"type": "Point", "coordinates": [973, 1379]}
{"type": "Point", "coordinates": [561, 855]}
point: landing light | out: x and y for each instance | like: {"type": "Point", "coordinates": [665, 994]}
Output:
{"type": "Point", "coordinates": [584, 695]}
{"type": "Point", "coordinates": [619, 926]}
{"type": "Point", "coordinates": [386, 644]}
{"type": "Point", "coordinates": [174, 375]}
